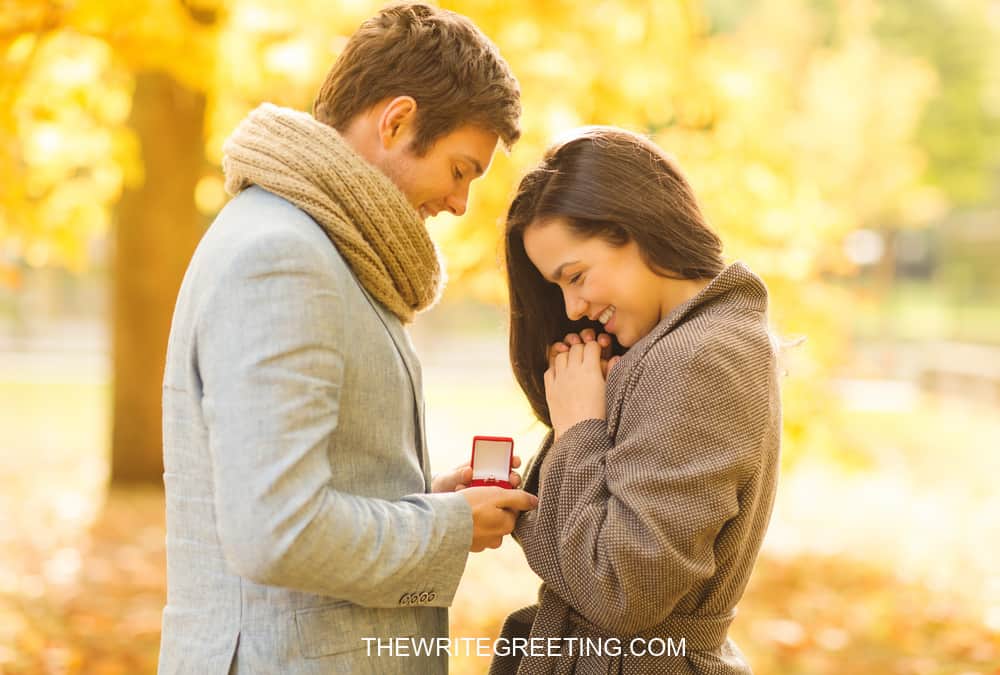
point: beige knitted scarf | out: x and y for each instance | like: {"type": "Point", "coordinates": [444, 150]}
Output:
{"type": "Point", "coordinates": [364, 214]}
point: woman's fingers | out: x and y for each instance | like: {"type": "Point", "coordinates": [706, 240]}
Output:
{"type": "Point", "coordinates": [605, 341]}
{"type": "Point", "coordinates": [586, 337]}
{"type": "Point", "coordinates": [556, 348]}
{"type": "Point", "coordinates": [560, 361]}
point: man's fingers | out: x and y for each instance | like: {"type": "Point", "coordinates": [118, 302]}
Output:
{"type": "Point", "coordinates": [572, 339]}
{"type": "Point", "coordinates": [588, 335]}
{"type": "Point", "coordinates": [515, 461]}
{"type": "Point", "coordinates": [518, 500]}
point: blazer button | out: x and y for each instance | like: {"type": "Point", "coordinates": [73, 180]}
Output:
{"type": "Point", "coordinates": [431, 596]}
{"type": "Point", "coordinates": [423, 597]}
{"type": "Point", "coordinates": [405, 599]}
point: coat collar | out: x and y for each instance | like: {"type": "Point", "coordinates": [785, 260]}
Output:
{"type": "Point", "coordinates": [736, 284]}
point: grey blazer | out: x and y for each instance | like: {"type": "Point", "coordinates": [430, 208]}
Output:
{"type": "Point", "coordinates": [296, 469]}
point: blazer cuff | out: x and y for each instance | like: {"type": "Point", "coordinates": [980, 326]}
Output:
{"type": "Point", "coordinates": [443, 570]}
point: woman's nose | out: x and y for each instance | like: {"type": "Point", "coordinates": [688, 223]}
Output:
{"type": "Point", "coordinates": [576, 307]}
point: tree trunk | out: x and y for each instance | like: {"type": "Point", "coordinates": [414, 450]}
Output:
{"type": "Point", "coordinates": [157, 229]}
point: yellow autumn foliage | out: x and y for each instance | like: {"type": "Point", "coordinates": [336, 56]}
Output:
{"type": "Point", "coordinates": [792, 139]}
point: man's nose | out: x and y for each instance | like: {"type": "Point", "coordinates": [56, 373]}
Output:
{"type": "Point", "coordinates": [458, 200]}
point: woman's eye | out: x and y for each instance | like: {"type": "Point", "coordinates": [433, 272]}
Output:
{"type": "Point", "coordinates": [458, 174]}
{"type": "Point", "coordinates": [575, 278]}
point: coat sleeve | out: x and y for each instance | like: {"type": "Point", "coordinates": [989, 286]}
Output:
{"type": "Point", "coordinates": [624, 529]}
{"type": "Point", "coordinates": [272, 361]}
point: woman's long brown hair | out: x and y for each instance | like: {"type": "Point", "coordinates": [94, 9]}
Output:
{"type": "Point", "coordinates": [602, 182]}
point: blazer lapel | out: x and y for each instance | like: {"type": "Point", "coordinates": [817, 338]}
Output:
{"type": "Point", "coordinates": [406, 352]}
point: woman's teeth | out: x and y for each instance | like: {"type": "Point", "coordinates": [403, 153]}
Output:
{"type": "Point", "coordinates": [606, 315]}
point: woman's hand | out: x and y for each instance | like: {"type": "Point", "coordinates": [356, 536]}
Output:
{"type": "Point", "coordinates": [587, 335]}
{"type": "Point", "coordinates": [574, 385]}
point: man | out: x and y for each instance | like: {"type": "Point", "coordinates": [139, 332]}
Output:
{"type": "Point", "coordinates": [300, 518]}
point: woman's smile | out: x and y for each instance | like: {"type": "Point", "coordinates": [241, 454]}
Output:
{"type": "Point", "coordinates": [607, 318]}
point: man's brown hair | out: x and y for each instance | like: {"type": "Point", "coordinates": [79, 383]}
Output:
{"type": "Point", "coordinates": [453, 72]}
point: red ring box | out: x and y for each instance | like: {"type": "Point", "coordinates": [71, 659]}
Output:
{"type": "Point", "coordinates": [491, 460]}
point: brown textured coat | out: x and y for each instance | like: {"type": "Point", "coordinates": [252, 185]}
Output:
{"type": "Point", "coordinates": [649, 523]}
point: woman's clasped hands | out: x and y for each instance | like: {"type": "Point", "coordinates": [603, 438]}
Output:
{"type": "Point", "coordinates": [575, 379]}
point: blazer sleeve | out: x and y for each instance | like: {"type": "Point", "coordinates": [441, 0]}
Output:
{"type": "Point", "coordinates": [625, 529]}
{"type": "Point", "coordinates": [272, 361]}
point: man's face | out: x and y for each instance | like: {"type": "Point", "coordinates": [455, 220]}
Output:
{"type": "Point", "coordinates": [439, 180]}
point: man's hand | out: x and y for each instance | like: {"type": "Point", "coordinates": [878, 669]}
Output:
{"type": "Point", "coordinates": [494, 513]}
{"type": "Point", "coordinates": [460, 477]}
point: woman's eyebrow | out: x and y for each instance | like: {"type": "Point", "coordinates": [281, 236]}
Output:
{"type": "Point", "coordinates": [557, 275]}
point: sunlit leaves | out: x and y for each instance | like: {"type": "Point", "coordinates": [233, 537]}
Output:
{"type": "Point", "coordinates": [795, 121]}
{"type": "Point", "coordinates": [67, 151]}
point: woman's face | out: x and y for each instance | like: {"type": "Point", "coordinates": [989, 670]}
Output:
{"type": "Point", "coordinates": [600, 281]}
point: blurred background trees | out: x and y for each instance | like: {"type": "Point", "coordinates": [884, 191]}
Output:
{"type": "Point", "coordinates": [848, 150]}
{"type": "Point", "coordinates": [801, 123]}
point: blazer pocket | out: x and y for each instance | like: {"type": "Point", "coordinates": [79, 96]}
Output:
{"type": "Point", "coordinates": [325, 631]}
{"type": "Point", "coordinates": [341, 628]}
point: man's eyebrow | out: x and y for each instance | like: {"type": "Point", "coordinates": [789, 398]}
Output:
{"type": "Point", "coordinates": [557, 275]}
{"type": "Point", "coordinates": [474, 162]}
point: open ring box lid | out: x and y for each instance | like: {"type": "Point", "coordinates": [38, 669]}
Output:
{"type": "Point", "coordinates": [491, 460]}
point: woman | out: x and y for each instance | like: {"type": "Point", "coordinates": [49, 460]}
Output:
{"type": "Point", "coordinates": [656, 485]}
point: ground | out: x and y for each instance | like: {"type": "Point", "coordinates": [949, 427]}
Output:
{"type": "Point", "coordinates": [885, 568]}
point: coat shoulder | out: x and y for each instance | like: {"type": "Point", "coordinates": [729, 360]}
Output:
{"type": "Point", "coordinates": [258, 227]}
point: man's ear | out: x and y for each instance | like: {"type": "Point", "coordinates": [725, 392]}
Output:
{"type": "Point", "coordinates": [397, 120]}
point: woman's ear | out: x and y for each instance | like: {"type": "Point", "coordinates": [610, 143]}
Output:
{"type": "Point", "coordinates": [396, 121]}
